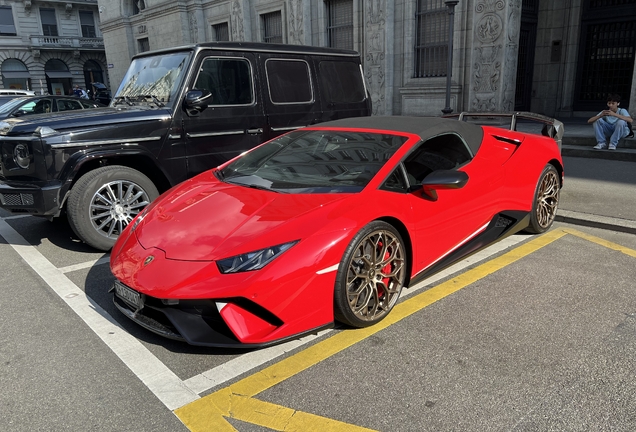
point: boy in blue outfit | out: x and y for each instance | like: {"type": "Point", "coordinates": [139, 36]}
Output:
{"type": "Point", "coordinates": [611, 124]}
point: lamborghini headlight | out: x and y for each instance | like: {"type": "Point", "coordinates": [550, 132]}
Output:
{"type": "Point", "coordinates": [253, 260]}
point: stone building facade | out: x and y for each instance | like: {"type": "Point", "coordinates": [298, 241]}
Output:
{"type": "Point", "coordinates": [51, 46]}
{"type": "Point", "coordinates": [556, 57]}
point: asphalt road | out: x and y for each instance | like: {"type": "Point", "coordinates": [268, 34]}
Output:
{"type": "Point", "coordinates": [537, 333]}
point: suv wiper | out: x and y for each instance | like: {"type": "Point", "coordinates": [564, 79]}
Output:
{"type": "Point", "coordinates": [154, 99]}
{"type": "Point", "coordinates": [124, 98]}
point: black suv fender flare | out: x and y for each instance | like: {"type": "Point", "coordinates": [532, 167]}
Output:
{"type": "Point", "coordinates": [137, 158]}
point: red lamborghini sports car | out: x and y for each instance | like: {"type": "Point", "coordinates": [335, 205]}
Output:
{"type": "Point", "coordinates": [328, 223]}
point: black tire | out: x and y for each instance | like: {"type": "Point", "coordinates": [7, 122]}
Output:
{"type": "Point", "coordinates": [546, 201]}
{"type": "Point", "coordinates": [371, 275]}
{"type": "Point", "coordinates": [105, 200]}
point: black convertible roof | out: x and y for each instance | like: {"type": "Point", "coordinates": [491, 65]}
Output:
{"type": "Point", "coordinates": [425, 127]}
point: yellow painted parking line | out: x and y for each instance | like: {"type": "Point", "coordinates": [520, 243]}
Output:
{"type": "Point", "coordinates": [237, 400]}
{"type": "Point", "coordinates": [602, 242]}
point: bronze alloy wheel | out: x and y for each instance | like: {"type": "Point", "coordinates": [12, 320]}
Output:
{"type": "Point", "coordinates": [371, 276]}
{"type": "Point", "coordinates": [546, 201]}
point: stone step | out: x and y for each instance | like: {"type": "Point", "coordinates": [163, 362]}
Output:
{"type": "Point", "coordinates": [626, 143]}
{"type": "Point", "coordinates": [586, 151]}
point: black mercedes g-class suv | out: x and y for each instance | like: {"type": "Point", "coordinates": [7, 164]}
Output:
{"type": "Point", "coordinates": [177, 113]}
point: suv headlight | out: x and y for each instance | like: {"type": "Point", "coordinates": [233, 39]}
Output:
{"type": "Point", "coordinates": [252, 260]}
{"type": "Point", "coordinates": [21, 155]}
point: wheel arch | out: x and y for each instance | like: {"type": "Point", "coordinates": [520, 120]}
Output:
{"type": "Point", "coordinates": [139, 161]}
{"type": "Point", "coordinates": [408, 244]}
{"type": "Point", "coordinates": [559, 167]}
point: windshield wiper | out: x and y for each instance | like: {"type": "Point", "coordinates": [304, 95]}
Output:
{"type": "Point", "coordinates": [254, 186]}
{"type": "Point", "coordinates": [154, 99]}
{"type": "Point", "coordinates": [125, 99]}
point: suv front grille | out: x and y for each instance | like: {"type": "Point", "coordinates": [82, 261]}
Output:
{"type": "Point", "coordinates": [9, 199]}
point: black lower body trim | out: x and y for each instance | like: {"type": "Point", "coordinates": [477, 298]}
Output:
{"type": "Point", "coordinates": [196, 322]}
{"type": "Point", "coordinates": [504, 224]}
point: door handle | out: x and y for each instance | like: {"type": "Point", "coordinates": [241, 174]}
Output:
{"type": "Point", "coordinates": [255, 131]}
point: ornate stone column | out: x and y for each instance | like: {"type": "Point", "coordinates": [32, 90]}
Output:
{"type": "Point", "coordinates": [378, 66]}
{"type": "Point", "coordinates": [299, 22]}
{"type": "Point", "coordinates": [495, 49]}
{"type": "Point", "coordinates": [239, 28]}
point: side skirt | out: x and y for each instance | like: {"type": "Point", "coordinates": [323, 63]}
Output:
{"type": "Point", "coordinates": [502, 225]}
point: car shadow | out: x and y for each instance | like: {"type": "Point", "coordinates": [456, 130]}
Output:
{"type": "Point", "coordinates": [58, 232]}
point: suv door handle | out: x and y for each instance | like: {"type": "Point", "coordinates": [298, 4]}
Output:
{"type": "Point", "coordinates": [255, 131]}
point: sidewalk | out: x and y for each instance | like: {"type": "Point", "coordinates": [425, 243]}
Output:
{"type": "Point", "coordinates": [578, 142]}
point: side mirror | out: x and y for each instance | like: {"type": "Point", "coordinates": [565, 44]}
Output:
{"type": "Point", "coordinates": [443, 179]}
{"type": "Point", "coordinates": [19, 113]}
{"type": "Point", "coordinates": [196, 101]}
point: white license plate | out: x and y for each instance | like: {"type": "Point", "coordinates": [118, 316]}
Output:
{"type": "Point", "coordinates": [128, 295]}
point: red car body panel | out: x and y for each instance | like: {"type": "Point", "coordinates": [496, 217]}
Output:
{"type": "Point", "coordinates": [204, 219]}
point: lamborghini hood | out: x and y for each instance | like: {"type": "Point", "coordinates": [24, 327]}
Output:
{"type": "Point", "coordinates": [210, 220]}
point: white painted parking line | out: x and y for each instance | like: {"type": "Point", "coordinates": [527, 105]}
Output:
{"type": "Point", "coordinates": [85, 265]}
{"type": "Point", "coordinates": [16, 217]}
{"type": "Point", "coordinates": [245, 363]}
{"type": "Point", "coordinates": [164, 383]}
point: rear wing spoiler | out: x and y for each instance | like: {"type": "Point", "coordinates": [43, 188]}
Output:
{"type": "Point", "coordinates": [551, 127]}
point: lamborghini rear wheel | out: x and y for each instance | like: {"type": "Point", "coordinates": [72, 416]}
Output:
{"type": "Point", "coordinates": [370, 276]}
{"type": "Point", "coordinates": [546, 201]}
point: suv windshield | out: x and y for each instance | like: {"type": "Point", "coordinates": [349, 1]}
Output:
{"type": "Point", "coordinates": [153, 79]}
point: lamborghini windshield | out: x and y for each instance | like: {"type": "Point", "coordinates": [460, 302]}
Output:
{"type": "Point", "coordinates": [318, 161]}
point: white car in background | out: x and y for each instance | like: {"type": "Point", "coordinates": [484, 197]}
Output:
{"type": "Point", "coordinates": [16, 92]}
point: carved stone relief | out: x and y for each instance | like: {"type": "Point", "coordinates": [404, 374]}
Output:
{"type": "Point", "coordinates": [296, 30]}
{"type": "Point", "coordinates": [236, 19]}
{"type": "Point", "coordinates": [194, 28]}
{"type": "Point", "coordinates": [492, 86]}
{"type": "Point", "coordinates": [375, 53]}
{"type": "Point", "coordinates": [511, 54]}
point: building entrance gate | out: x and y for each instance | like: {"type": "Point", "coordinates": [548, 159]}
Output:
{"type": "Point", "coordinates": [606, 54]}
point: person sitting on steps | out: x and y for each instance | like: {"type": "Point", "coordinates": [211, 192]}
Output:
{"type": "Point", "coordinates": [611, 124]}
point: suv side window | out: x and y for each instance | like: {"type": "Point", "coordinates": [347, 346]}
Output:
{"type": "Point", "coordinates": [342, 81]}
{"type": "Point", "coordinates": [443, 152]}
{"type": "Point", "coordinates": [289, 81]}
{"type": "Point", "coordinates": [228, 79]}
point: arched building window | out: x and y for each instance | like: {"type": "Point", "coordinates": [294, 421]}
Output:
{"type": "Point", "coordinates": [15, 75]}
{"type": "Point", "coordinates": [59, 80]}
{"type": "Point", "coordinates": [135, 6]}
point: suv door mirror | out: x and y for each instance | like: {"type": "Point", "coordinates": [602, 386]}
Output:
{"type": "Point", "coordinates": [196, 101]}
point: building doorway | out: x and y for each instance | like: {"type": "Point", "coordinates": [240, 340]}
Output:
{"type": "Point", "coordinates": [525, 57]}
{"type": "Point", "coordinates": [93, 73]}
{"type": "Point", "coordinates": [606, 54]}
